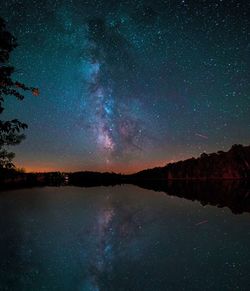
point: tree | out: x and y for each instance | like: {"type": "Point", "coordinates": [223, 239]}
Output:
{"type": "Point", "coordinates": [10, 130]}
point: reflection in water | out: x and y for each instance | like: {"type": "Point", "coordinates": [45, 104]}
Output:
{"type": "Point", "coordinates": [234, 194]}
{"type": "Point", "coordinates": [100, 260]}
{"type": "Point", "coordinates": [119, 238]}
{"type": "Point", "coordinates": [116, 224]}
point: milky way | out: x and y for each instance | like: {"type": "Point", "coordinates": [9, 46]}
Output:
{"type": "Point", "coordinates": [118, 133]}
{"type": "Point", "coordinates": [129, 84]}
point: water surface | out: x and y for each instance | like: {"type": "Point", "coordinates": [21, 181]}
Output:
{"type": "Point", "coordinates": [119, 238]}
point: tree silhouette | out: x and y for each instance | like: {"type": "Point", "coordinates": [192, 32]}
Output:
{"type": "Point", "coordinates": [10, 130]}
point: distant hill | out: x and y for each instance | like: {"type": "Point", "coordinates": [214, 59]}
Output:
{"type": "Point", "coordinates": [231, 165]}
{"type": "Point", "coordinates": [234, 164]}
{"type": "Point", "coordinates": [220, 179]}
{"type": "Point", "coordinates": [89, 179]}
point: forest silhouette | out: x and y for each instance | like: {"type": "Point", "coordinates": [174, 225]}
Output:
{"type": "Point", "coordinates": [220, 179]}
{"type": "Point", "coordinates": [11, 131]}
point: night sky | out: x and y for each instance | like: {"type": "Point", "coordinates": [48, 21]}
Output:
{"type": "Point", "coordinates": [127, 85]}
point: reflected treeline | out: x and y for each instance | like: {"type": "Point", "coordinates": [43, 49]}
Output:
{"type": "Point", "coordinates": [234, 194]}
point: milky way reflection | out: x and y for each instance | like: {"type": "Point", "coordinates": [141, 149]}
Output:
{"type": "Point", "coordinates": [119, 238]}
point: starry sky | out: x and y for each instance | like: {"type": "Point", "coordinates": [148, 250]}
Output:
{"type": "Point", "coordinates": [126, 85]}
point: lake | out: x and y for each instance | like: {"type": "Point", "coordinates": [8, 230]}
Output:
{"type": "Point", "coordinates": [119, 238]}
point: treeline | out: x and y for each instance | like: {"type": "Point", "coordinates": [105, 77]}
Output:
{"type": "Point", "coordinates": [89, 179]}
{"type": "Point", "coordinates": [234, 164]}
{"type": "Point", "coordinates": [12, 178]}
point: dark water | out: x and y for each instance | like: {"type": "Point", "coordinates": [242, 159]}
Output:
{"type": "Point", "coordinates": [119, 238]}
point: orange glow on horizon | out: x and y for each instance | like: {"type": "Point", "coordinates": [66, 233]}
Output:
{"type": "Point", "coordinates": [121, 168]}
